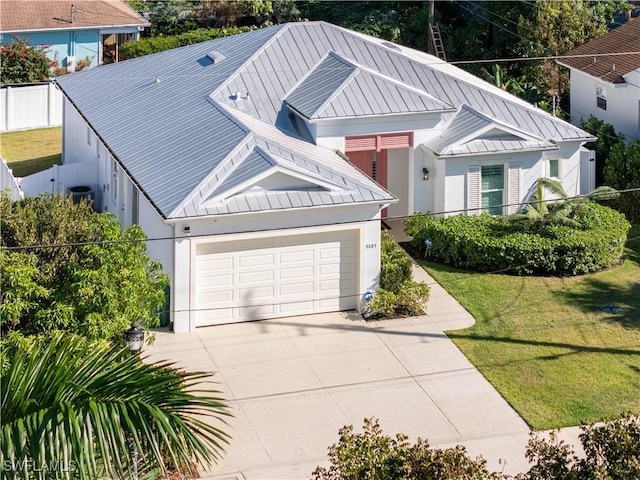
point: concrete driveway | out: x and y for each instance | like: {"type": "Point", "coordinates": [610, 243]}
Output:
{"type": "Point", "coordinates": [293, 382]}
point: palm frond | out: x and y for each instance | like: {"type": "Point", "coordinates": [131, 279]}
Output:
{"type": "Point", "coordinates": [84, 404]}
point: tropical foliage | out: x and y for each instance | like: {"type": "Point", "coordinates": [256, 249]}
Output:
{"type": "Point", "coordinates": [24, 63]}
{"type": "Point", "coordinates": [617, 165]}
{"type": "Point", "coordinates": [65, 267]}
{"type": "Point", "coordinates": [146, 46]}
{"type": "Point", "coordinates": [74, 408]}
{"type": "Point", "coordinates": [591, 238]}
{"type": "Point", "coordinates": [611, 453]}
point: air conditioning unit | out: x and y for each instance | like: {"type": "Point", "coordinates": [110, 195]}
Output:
{"type": "Point", "coordinates": [82, 192]}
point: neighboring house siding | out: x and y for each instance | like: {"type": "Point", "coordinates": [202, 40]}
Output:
{"type": "Point", "coordinates": [622, 102]}
{"type": "Point", "coordinates": [62, 44]}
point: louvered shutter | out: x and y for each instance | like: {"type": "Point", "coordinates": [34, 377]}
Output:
{"type": "Point", "coordinates": [473, 190]}
{"type": "Point", "coordinates": [360, 144]}
{"type": "Point", "coordinates": [513, 188]}
{"type": "Point", "coordinates": [396, 140]}
{"type": "Point", "coordinates": [380, 142]}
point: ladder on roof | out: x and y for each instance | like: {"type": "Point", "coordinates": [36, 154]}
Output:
{"type": "Point", "coordinates": [436, 39]}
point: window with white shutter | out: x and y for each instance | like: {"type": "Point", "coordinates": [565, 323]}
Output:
{"type": "Point", "coordinates": [513, 188]}
{"type": "Point", "coordinates": [473, 190]}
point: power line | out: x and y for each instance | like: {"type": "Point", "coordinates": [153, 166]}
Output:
{"type": "Point", "coordinates": [399, 217]}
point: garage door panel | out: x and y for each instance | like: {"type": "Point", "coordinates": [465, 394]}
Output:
{"type": "Point", "coordinates": [212, 281]}
{"type": "Point", "coordinates": [215, 298]}
{"type": "Point", "coordinates": [296, 288]}
{"type": "Point", "coordinates": [278, 276]}
{"type": "Point", "coordinates": [211, 264]}
{"type": "Point", "coordinates": [256, 293]}
{"type": "Point", "coordinates": [255, 277]}
{"type": "Point", "coordinates": [293, 256]}
{"type": "Point", "coordinates": [258, 259]}
{"type": "Point", "coordinates": [296, 272]}
{"type": "Point", "coordinates": [335, 269]}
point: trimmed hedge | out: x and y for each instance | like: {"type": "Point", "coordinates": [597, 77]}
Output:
{"type": "Point", "coordinates": [146, 46]}
{"type": "Point", "coordinates": [395, 266]}
{"type": "Point", "coordinates": [490, 244]}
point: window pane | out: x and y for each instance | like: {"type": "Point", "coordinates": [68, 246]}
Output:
{"type": "Point", "coordinates": [491, 202]}
{"type": "Point", "coordinates": [554, 170]}
{"type": "Point", "coordinates": [492, 178]}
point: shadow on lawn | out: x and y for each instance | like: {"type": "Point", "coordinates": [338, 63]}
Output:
{"type": "Point", "coordinates": [598, 295]}
{"type": "Point", "coordinates": [22, 168]}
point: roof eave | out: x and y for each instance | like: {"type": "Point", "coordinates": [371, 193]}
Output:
{"type": "Point", "coordinates": [383, 202]}
{"type": "Point", "coordinates": [89, 27]}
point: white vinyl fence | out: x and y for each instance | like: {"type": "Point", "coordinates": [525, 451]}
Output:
{"type": "Point", "coordinates": [30, 106]}
{"type": "Point", "coordinates": [8, 181]}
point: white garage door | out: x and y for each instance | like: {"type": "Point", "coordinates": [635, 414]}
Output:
{"type": "Point", "coordinates": [275, 276]}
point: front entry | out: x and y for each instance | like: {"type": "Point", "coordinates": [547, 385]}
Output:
{"type": "Point", "coordinates": [373, 163]}
{"type": "Point", "coordinates": [369, 154]}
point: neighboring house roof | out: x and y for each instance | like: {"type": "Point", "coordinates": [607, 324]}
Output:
{"type": "Point", "coordinates": [181, 123]}
{"type": "Point", "coordinates": [30, 15]}
{"type": "Point", "coordinates": [470, 132]}
{"type": "Point", "coordinates": [602, 55]}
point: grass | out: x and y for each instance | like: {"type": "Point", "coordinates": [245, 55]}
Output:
{"type": "Point", "coordinates": [546, 344]}
{"type": "Point", "coordinates": [31, 151]}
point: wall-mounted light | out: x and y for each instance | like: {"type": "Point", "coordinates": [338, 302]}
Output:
{"type": "Point", "coordinates": [425, 174]}
{"type": "Point", "coordinates": [187, 230]}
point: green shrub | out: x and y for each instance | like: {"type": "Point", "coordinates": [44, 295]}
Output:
{"type": "Point", "coordinates": [395, 265]}
{"type": "Point", "coordinates": [373, 455]}
{"type": "Point", "coordinates": [146, 46]}
{"type": "Point", "coordinates": [486, 243]}
{"type": "Point", "coordinates": [384, 303]}
{"type": "Point", "coordinates": [410, 300]}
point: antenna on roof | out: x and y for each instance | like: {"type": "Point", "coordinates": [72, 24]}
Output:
{"type": "Point", "coordinates": [73, 10]}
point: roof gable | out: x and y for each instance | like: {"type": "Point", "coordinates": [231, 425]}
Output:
{"type": "Point", "coordinates": [28, 15]}
{"type": "Point", "coordinates": [471, 132]}
{"type": "Point", "coordinates": [607, 57]}
{"type": "Point", "coordinates": [337, 87]}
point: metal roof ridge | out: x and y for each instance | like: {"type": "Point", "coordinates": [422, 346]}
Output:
{"type": "Point", "coordinates": [359, 68]}
{"type": "Point", "coordinates": [200, 188]}
{"type": "Point", "coordinates": [280, 29]}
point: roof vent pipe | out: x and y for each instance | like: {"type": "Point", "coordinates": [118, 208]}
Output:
{"type": "Point", "coordinates": [614, 66]}
{"type": "Point", "coordinates": [157, 79]}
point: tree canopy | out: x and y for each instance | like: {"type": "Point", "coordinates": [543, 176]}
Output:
{"type": "Point", "coordinates": [65, 267]}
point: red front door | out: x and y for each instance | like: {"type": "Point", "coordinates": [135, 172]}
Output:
{"type": "Point", "coordinates": [374, 164]}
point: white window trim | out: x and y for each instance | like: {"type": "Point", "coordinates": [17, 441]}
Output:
{"type": "Point", "coordinates": [547, 172]}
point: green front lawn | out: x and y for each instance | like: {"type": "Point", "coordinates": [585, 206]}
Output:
{"type": "Point", "coordinates": [31, 151]}
{"type": "Point", "coordinates": [547, 345]}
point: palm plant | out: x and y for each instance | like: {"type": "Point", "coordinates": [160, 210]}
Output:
{"type": "Point", "coordinates": [562, 209]}
{"type": "Point", "coordinates": [72, 408]}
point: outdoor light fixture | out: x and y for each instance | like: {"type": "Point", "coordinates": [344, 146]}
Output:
{"type": "Point", "coordinates": [425, 174]}
{"type": "Point", "coordinates": [133, 339]}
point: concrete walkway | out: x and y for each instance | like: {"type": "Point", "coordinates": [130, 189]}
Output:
{"type": "Point", "coordinates": [292, 383]}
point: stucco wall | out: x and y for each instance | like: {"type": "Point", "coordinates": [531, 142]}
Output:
{"type": "Point", "coordinates": [64, 43]}
{"type": "Point", "coordinates": [623, 102]}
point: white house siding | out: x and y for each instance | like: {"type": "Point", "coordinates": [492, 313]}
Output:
{"type": "Point", "coordinates": [78, 141]}
{"type": "Point", "coordinates": [623, 102]}
{"type": "Point", "coordinates": [456, 170]}
{"type": "Point", "coordinates": [266, 225]}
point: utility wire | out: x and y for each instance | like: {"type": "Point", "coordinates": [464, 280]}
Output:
{"type": "Point", "coordinates": [399, 217]}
